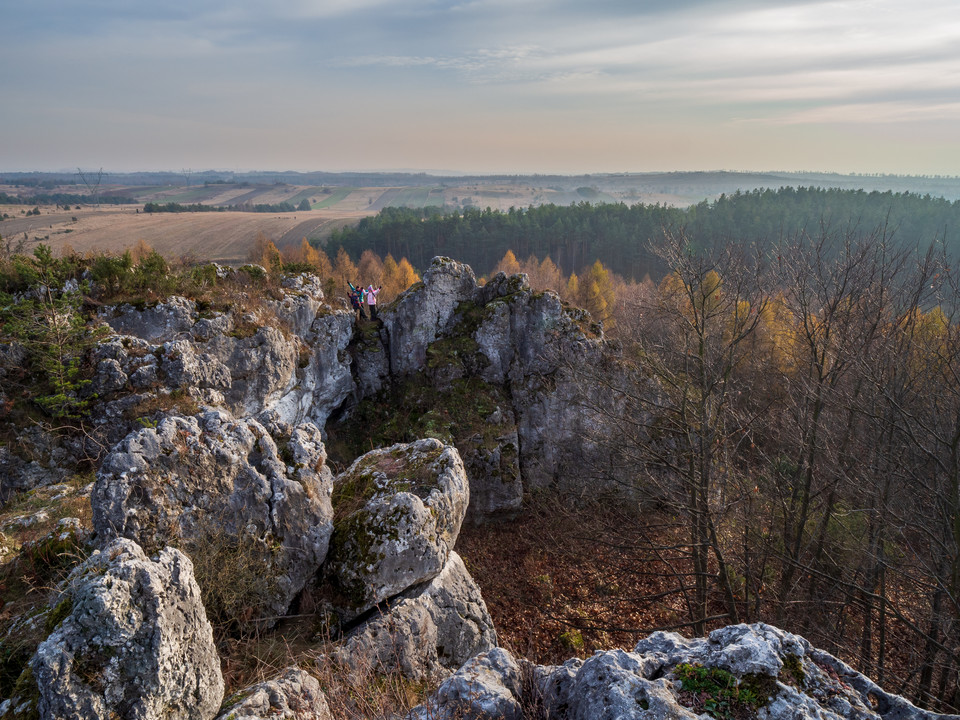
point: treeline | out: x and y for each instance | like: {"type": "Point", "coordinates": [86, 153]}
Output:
{"type": "Point", "coordinates": [172, 207]}
{"type": "Point", "coordinates": [623, 237]}
{"type": "Point", "coordinates": [64, 199]}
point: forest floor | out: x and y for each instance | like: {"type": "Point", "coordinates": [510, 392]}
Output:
{"type": "Point", "coordinates": [561, 582]}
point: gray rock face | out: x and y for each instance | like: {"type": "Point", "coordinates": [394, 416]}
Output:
{"type": "Point", "coordinates": [528, 343]}
{"type": "Point", "coordinates": [262, 368]}
{"type": "Point", "coordinates": [791, 680]}
{"type": "Point", "coordinates": [213, 480]}
{"type": "Point", "coordinates": [158, 324]}
{"type": "Point", "coordinates": [399, 512]}
{"type": "Point", "coordinates": [17, 474]}
{"type": "Point", "coordinates": [136, 643]}
{"type": "Point", "coordinates": [242, 363]}
{"type": "Point", "coordinates": [489, 686]}
{"type": "Point", "coordinates": [302, 302]}
{"type": "Point", "coordinates": [616, 684]}
{"type": "Point", "coordinates": [294, 695]}
{"type": "Point", "coordinates": [325, 380]}
{"type": "Point", "coordinates": [429, 631]}
{"type": "Point", "coordinates": [419, 315]}
{"type": "Point", "coordinates": [496, 486]}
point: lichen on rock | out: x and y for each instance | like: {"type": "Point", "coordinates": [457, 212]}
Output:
{"type": "Point", "coordinates": [398, 512]}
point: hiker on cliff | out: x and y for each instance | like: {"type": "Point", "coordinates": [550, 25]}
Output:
{"type": "Point", "coordinates": [356, 300]}
{"type": "Point", "coordinates": [372, 300]}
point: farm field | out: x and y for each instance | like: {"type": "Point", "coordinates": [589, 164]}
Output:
{"type": "Point", "coordinates": [226, 237]}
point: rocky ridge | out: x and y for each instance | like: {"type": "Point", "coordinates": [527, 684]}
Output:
{"type": "Point", "coordinates": [217, 421]}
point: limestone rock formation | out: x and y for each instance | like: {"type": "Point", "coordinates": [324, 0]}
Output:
{"type": "Point", "coordinates": [134, 642]}
{"type": "Point", "coordinates": [293, 695]}
{"type": "Point", "coordinates": [451, 333]}
{"type": "Point", "coordinates": [287, 359]}
{"type": "Point", "coordinates": [398, 514]}
{"type": "Point", "coordinates": [430, 630]}
{"type": "Point", "coordinates": [157, 324]}
{"type": "Point", "coordinates": [212, 482]}
{"type": "Point", "coordinates": [418, 316]}
{"type": "Point", "coordinates": [749, 669]}
{"type": "Point", "coordinates": [488, 686]}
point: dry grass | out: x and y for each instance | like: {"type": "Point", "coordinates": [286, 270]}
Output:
{"type": "Point", "coordinates": [360, 691]}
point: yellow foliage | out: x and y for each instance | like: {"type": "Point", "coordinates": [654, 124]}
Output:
{"type": "Point", "coordinates": [265, 253]}
{"type": "Point", "coordinates": [344, 271]}
{"type": "Point", "coordinates": [370, 268]}
{"type": "Point", "coordinates": [508, 264]}
{"type": "Point", "coordinates": [572, 290]}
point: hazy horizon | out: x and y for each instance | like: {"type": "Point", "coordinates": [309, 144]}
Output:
{"type": "Point", "coordinates": [483, 86]}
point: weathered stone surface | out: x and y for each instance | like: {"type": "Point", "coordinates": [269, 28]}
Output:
{"type": "Point", "coordinates": [416, 318]}
{"type": "Point", "coordinates": [185, 368]}
{"type": "Point", "coordinates": [294, 695]}
{"type": "Point", "coordinates": [488, 686]}
{"type": "Point", "coordinates": [244, 363]}
{"type": "Point", "coordinates": [302, 301]}
{"type": "Point", "coordinates": [109, 377]}
{"type": "Point", "coordinates": [616, 684]}
{"type": "Point", "coordinates": [430, 630]}
{"type": "Point", "coordinates": [496, 487]}
{"type": "Point", "coordinates": [135, 644]}
{"type": "Point", "coordinates": [17, 474]}
{"type": "Point", "coordinates": [799, 682]}
{"type": "Point", "coordinates": [210, 478]}
{"type": "Point", "coordinates": [399, 512]}
{"type": "Point", "coordinates": [324, 378]}
{"type": "Point", "coordinates": [262, 368]}
{"type": "Point", "coordinates": [158, 324]}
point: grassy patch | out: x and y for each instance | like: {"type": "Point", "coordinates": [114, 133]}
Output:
{"type": "Point", "coordinates": [718, 693]}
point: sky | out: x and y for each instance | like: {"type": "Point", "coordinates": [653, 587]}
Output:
{"type": "Point", "coordinates": [481, 86]}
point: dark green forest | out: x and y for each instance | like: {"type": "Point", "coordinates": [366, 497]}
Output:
{"type": "Point", "coordinates": [622, 236]}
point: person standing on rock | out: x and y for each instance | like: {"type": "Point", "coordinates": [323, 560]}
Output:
{"type": "Point", "coordinates": [372, 300]}
{"type": "Point", "coordinates": [356, 300]}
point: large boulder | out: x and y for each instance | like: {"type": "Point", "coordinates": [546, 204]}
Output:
{"type": "Point", "coordinates": [213, 484]}
{"type": "Point", "coordinates": [133, 642]}
{"type": "Point", "coordinates": [294, 695]}
{"type": "Point", "coordinates": [428, 631]}
{"type": "Point", "coordinates": [398, 512]}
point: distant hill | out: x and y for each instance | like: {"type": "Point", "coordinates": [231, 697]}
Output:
{"type": "Point", "coordinates": [675, 188]}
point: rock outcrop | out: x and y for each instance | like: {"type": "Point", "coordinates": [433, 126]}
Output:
{"type": "Point", "coordinates": [749, 670]}
{"type": "Point", "coordinates": [427, 631]}
{"type": "Point", "coordinates": [285, 361]}
{"type": "Point", "coordinates": [293, 695]}
{"type": "Point", "coordinates": [555, 420]}
{"type": "Point", "coordinates": [398, 514]}
{"type": "Point", "coordinates": [212, 482]}
{"type": "Point", "coordinates": [133, 642]}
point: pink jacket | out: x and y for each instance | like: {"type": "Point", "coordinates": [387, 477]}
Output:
{"type": "Point", "coordinates": [372, 295]}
